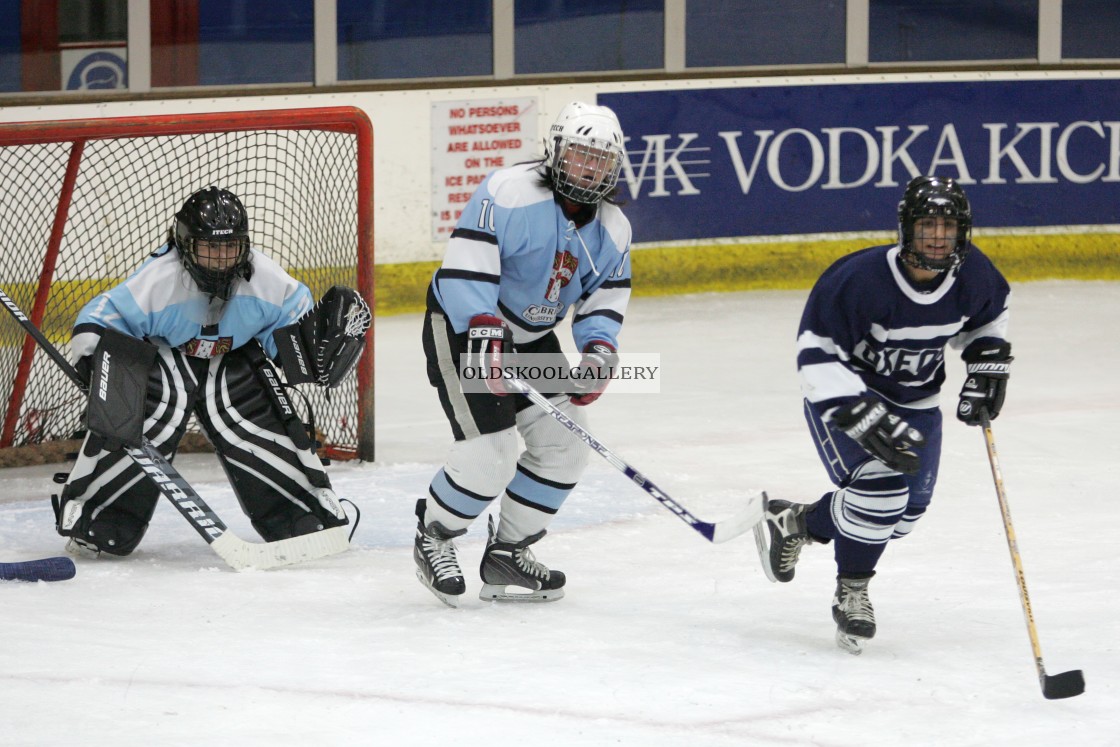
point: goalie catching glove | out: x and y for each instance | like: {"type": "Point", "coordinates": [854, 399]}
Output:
{"type": "Point", "coordinates": [325, 344]}
{"type": "Point", "coordinates": [881, 433]}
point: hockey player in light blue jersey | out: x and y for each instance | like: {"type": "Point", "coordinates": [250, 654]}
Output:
{"type": "Point", "coordinates": [538, 243]}
{"type": "Point", "coordinates": [194, 331]}
{"type": "Point", "coordinates": [870, 354]}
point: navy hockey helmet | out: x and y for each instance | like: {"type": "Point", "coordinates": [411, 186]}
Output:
{"type": "Point", "coordinates": [933, 197]}
{"type": "Point", "coordinates": [583, 152]}
{"type": "Point", "coordinates": [211, 233]}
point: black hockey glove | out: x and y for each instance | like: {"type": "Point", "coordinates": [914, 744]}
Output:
{"type": "Point", "coordinates": [118, 388]}
{"type": "Point", "coordinates": [594, 372]}
{"type": "Point", "coordinates": [988, 367]}
{"type": "Point", "coordinates": [325, 344]}
{"type": "Point", "coordinates": [884, 435]}
{"type": "Point", "coordinates": [489, 340]}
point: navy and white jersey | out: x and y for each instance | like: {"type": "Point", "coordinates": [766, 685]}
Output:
{"type": "Point", "coordinates": [162, 303]}
{"type": "Point", "coordinates": [866, 327]}
{"type": "Point", "coordinates": [514, 253]}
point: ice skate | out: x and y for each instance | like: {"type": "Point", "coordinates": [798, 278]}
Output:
{"type": "Point", "coordinates": [80, 549]}
{"type": "Point", "coordinates": [780, 536]}
{"type": "Point", "coordinates": [853, 613]}
{"type": "Point", "coordinates": [437, 565]}
{"type": "Point", "coordinates": [511, 564]}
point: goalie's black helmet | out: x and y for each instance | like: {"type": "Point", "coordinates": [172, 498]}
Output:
{"type": "Point", "coordinates": [934, 196]}
{"type": "Point", "coordinates": [211, 234]}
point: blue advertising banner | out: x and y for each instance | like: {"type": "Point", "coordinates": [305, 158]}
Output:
{"type": "Point", "coordinates": [773, 161]}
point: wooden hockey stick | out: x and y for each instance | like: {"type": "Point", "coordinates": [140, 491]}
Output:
{"type": "Point", "coordinates": [1066, 684]}
{"type": "Point", "coordinates": [715, 532]}
{"type": "Point", "coordinates": [236, 552]}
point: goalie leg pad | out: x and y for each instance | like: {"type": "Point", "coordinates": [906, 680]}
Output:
{"type": "Point", "coordinates": [281, 487]}
{"type": "Point", "coordinates": [107, 500]}
{"type": "Point", "coordinates": [325, 344]}
{"type": "Point", "coordinates": [118, 386]}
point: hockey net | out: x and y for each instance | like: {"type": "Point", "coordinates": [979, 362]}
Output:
{"type": "Point", "coordinates": [84, 202]}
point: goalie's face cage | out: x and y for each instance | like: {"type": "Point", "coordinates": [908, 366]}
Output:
{"type": "Point", "coordinates": [585, 170]}
{"type": "Point", "coordinates": [216, 264]}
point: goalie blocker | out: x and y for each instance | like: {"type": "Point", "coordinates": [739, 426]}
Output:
{"type": "Point", "coordinates": [324, 345]}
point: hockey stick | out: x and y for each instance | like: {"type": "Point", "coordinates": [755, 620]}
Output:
{"type": "Point", "coordinates": [236, 552]}
{"type": "Point", "coordinates": [715, 532]}
{"type": "Point", "coordinates": [44, 569]}
{"type": "Point", "coordinates": [1066, 684]}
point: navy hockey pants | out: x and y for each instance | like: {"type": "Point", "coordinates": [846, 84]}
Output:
{"type": "Point", "coordinates": [872, 504]}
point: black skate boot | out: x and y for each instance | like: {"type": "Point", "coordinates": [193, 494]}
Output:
{"type": "Point", "coordinates": [508, 564]}
{"type": "Point", "coordinates": [780, 536]}
{"type": "Point", "coordinates": [437, 565]}
{"type": "Point", "coordinates": [853, 613]}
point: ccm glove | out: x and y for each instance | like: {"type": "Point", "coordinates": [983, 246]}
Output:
{"type": "Point", "coordinates": [881, 433]}
{"type": "Point", "coordinates": [594, 372]}
{"type": "Point", "coordinates": [988, 367]}
{"type": "Point", "coordinates": [489, 340]}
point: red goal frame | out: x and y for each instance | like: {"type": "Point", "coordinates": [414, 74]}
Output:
{"type": "Point", "coordinates": [343, 119]}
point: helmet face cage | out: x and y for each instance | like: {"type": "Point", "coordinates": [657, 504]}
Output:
{"type": "Point", "coordinates": [584, 153]}
{"type": "Point", "coordinates": [933, 197]}
{"type": "Point", "coordinates": [212, 235]}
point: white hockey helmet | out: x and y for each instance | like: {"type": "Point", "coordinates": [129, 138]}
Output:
{"type": "Point", "coordinates": [583, 152]}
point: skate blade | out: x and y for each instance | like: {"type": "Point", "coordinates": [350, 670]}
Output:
{"type": "Point", "coordinates": [853, 644]}
{"type": "Point", "coordinates": [762, 542]}
{"type": "Point", "coordinates": [450, 600]}
{"type": "Point", "coordinates": [81, 550]}
{"type": "Point", "coordinates": [510, 593]}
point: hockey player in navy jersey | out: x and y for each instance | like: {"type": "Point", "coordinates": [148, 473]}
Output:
{"type": "Point", "coordinates": [192, 331]}
{"type": "Point", "coordinates": [870, 354]}
{"type": "Point", "coordinates": [537, 243]}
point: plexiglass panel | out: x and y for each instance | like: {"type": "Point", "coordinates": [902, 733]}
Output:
{"type": "Point", "coordinates": [731, 33]}
{"type": "Point", "coordinates": [555, 36]}
{"type": "Point", "coordinates": [948, 30]}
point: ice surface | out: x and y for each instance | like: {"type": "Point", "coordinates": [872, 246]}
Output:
{"type": "Point", "coordinates": [663, 638]}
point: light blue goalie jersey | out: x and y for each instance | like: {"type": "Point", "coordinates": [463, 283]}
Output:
{"type": "Point", "coordinates": [865, 327]}
{"type": "Point", "coordinates": [160, 302]}
{"type": "Point", "coordinates": [514, 253]}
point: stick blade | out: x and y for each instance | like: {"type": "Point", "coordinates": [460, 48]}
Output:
{"type": "Point", "coordinates": [740, 523]}
{"type": "Point", "coordinates": [1064, 685]}
{"type": "Point", "coordinates": [46, 569]}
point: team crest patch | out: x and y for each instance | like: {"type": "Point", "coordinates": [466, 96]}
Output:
{"type": "Point", "coordinates": [197, 348]}
{"type": "Point", "coordinates": [563, 269]}
{"type": "Point", "coordinates": [538, 314]}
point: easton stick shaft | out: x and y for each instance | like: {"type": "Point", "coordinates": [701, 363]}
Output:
{"type": "Point", "coordinates": [715, 532]}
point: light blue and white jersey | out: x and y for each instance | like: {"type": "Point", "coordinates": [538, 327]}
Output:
{"type": "Point", "coordinates": [866, 327]}
{"type": "Point", "coordinates": [161, 302]}
{"type": "Point", "coordinates": [515, 254]}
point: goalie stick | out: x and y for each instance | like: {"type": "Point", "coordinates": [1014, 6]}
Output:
{"type": "Point", "coordinates": [236, 552]}
{"type": "Point", "coordinates": [1054, 686]}
{"type": "Point", "coordinates": [44, 569]}
{"type": "Point", "coordinates": [715, 532]}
